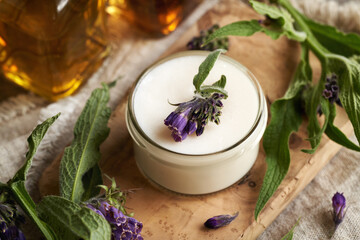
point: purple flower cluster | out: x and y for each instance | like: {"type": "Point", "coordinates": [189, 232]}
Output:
{"type": "Point", "coordinates": [9, 220]}
{"type": "Point", "coordinates": [331, 91]}
{"type": "Point", "coordinates": [339, 204]}
{"type": "Point", "coordinates": [196, 42]}
{"type": "Point", "coordinates": [123, 227]}
{"type": "Point", "coordinates": [193, 116]}
{"type": "Point", "coordinates": [10, 232]}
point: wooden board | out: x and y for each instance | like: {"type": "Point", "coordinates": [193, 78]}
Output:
{"type": "Point", "coordinates": [167, 215]}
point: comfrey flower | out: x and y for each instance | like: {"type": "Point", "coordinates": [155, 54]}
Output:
{"type": "Point", "coordinates": [192, 116]}
{"type": "Point", "coordinates": [220, 221]}
{"type": "Point", "coordinates": [122, 226]}
{"type": "Point", "coordinates": [196, 42]}
{"type": "Point", "coordinates": [331, 91]}
{"type": "Point", "coordinates": [9, 222]}
{"type": "Point", "coordinates": [339, 204]}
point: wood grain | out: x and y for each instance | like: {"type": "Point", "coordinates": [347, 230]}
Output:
{"type": "Point", "coordinates": [167, 215]}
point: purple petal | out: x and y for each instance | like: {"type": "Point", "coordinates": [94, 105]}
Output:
{"type": "Point", "coordinates": [327, 94]}
{"type": "Point", "coordinates": [170, 118]}
{"type": "Point", "coordinates": [178, 137]}
{"type": "Point", "coordinates": [190, 127]}
{"type": "Point", "coordinates": [220, 221]}
{"type": "Point", "coordinates": [339, 204]}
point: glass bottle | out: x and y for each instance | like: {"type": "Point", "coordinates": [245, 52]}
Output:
{"type": "Point", "coordinates": [51, 46]}
{"type": "Point", "coordinates": [159, 17]}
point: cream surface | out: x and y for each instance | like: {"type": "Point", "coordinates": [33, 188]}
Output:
{"type": "Point", "coordinates": [172, 82]}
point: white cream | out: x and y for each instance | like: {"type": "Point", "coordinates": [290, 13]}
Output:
{"type": "Point", "coordinates": [171, 81]}
{"type": "Point", "coordinates": [198, 164]}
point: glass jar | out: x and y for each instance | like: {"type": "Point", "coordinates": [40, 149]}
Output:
{"type": "Point", "coordinates": [198, 173]}
{"type": "Point", "coordinates": [159, 17]}
{"type": "Point", "coordinates": [51, 47]}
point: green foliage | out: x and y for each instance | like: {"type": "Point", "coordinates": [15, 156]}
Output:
{"type": "Point", "coordinates": [205, 68]}
{"type": "Point", "coordinates": [278, 23]}
{"type": "Point", "coordinates": [16, 186]}
{"type": "Point", "coordinates": [346, 44]}
{"type": "Point", "coordinates": [80, 160]}
{"type": "Point", "coordinates": [70, 221]}
{"type": "Point", "coordinates": [286, 118]}
{"type": "Point", "coordinates": [290, 234]}
{"type": "Point", "coordinates": [34, 141]}
{"type": "Point", "coordinates": [281, 22]}
{"type": "Point", "coordinates": [338, 53]}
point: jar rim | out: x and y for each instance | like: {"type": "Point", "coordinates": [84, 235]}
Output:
{"type": "Point", "coordinates": [252, 78]}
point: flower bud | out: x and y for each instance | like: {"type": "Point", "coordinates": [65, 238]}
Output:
{"type": "Point", "coordinates": [339, 204]}
{"type": "Point", "coordinates": [220, 221]}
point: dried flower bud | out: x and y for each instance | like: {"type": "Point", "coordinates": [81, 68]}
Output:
{"type": "Point", "coordinates": [220, 221]}
{"type": "Point", "coordinates": [339, 204]}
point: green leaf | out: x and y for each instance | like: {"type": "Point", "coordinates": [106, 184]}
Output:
{"type": "Point", "coordinates": [90, 179]}
{"type": "Point", "coordinates": [312, 102]}
{"type": "Point", "coordinates": [335, 40]}
{"type": "Point", "coordinates": [290, 234]}
{"type": "Point", "coordinates": [283, 24]}
{"type": "Point", "coordinates": [220, 83]}
{"type": "Point", "coordinates": [285, 119]}
{"type": "Point", "coordinates": [242, 28]}
{"type": "Point", "coordinates": [348, 72]}
{"type": "Point", "coordinates": [23, 199]}
{"type": "Point", "coordinates": [205, 68]}
{"type": "Point", "coordinates": [207, 90]}
{"type": "Point", "coordinates": [217, 87]}
{"type": "Point", "coordinates": [34, 141]}
{"type": "Point", "coordinates": [83, 154]}
{"type": "Point", "coordinates": [335, 134]}
{"type": "Point", "coordinates": [71, 221]}
{"type": "Point", "coordinates": [17, 183]}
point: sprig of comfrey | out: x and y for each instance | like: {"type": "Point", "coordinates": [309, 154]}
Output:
{"type": "Point", "coordinates": [192, 116]}
{"type": "Point", "coordinates": [339, 56]}
{"type": "Point", "coordinates": [67, 216]}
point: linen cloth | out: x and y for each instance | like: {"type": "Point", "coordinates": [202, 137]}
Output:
{"type": "Point", "coordinates": [20, 114]}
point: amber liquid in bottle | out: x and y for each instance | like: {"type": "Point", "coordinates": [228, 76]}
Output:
{"type": "Point", "coordinates": [49, 46]}
{"type": "Point", "coordinates": [159, 17]}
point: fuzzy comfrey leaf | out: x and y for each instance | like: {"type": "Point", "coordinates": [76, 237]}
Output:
{"type": "Point", "coordinates": [220, 83]}
{"type": "Point", "coordinates": [34, 141]}
{"type": "Point", "coordinates": [336, 135]}
{"type": "Point", "coordinates": [205, 68]}
{"type": "Point", "coordinates": [91, 179]}
{"type": "Point", "coordinates": [242, 28]}
{"type": "Point", "coordinates": [216, 87]}
{"type": "Point", "coordinates": [283, 22]}
{"type": "Point", "coordinates": [348, 71]}
{"type": "Point", "coordinates": [285, 119]}
{"type": "Point", "coordinates": [83, 154]}
{"type": "Point", "coordinates": [72, 221]}
{"type": "Point", "coordinates": [346, 44]}
{"type": "Point", "coordinates": [315, 131]}
{"type": "Point", "coordinates": [208, 90]}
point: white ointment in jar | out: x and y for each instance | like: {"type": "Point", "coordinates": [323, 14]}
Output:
{"type": "Point", "coordinates": [218, 158]}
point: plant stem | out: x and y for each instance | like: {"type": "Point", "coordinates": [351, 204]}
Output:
{"type": "Point", "coordinates": [314, 44]}
{"type": "Point", "coordinates": [28, 206]}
